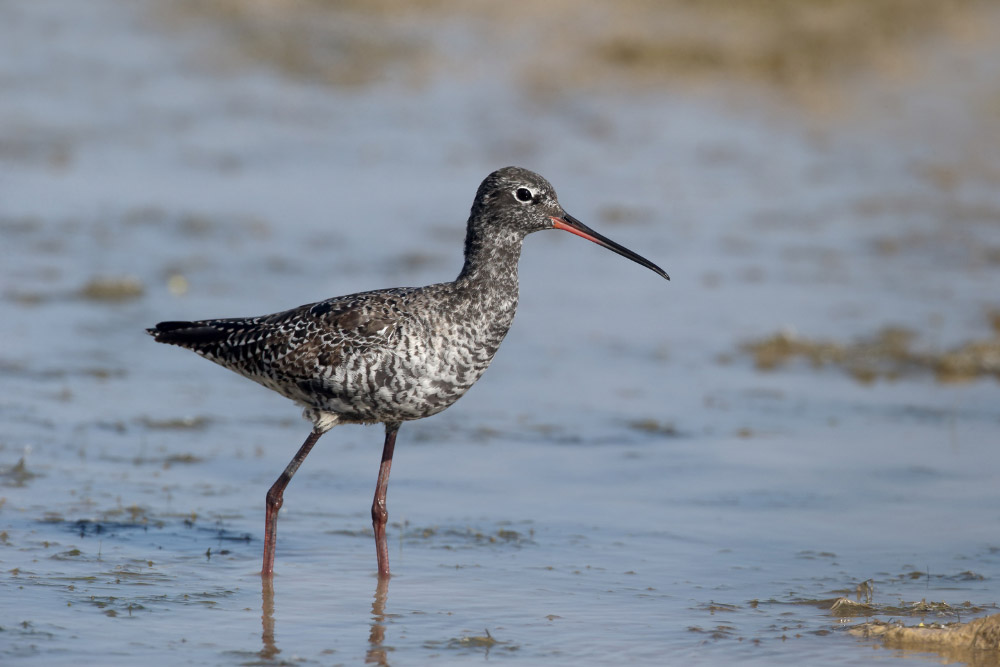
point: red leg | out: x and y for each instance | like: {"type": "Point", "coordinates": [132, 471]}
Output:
{"type": "Point", "coordinates": [275, 498]}
{"type": "Point", "coordinates": [379, 512]}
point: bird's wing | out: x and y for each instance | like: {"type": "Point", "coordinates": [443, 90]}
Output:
{"type": "Point", "coordinates": [300, 342]}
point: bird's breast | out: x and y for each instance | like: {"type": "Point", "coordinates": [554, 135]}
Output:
{"type": "Point", "coordinates": [419, 371]}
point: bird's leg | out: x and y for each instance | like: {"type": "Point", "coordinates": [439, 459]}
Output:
{"type": "Point", "coordinates": [379, 513]}
{"type": "Point", "coordinates": [275, 498]}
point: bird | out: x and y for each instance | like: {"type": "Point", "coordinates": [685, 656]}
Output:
{"type": "Point", "coordinates": [391, 355]}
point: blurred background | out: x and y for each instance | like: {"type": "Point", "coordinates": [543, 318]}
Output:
{"type": "Point", "coordinates": [809, 405]}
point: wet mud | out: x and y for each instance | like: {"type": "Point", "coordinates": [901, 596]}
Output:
{"type": "Point", "coordinates": [976, 642]}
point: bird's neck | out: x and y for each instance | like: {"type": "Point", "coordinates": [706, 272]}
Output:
{"type": "Point", "coordinates": [487, 289]}
{"type": "Point", "coordinates": [491, 263]}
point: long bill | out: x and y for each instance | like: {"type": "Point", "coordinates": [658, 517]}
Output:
{"type": "Point", "coordinates": [568, 223]}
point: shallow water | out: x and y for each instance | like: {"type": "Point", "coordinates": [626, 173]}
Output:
{"type": "Point", "coordinates": [623, 485]}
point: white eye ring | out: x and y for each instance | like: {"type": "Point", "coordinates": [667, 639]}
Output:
{"type": "Point", "coordinates": [524, 195]}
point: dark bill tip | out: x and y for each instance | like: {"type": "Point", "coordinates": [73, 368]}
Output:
{"type": "Point", "coordinates": [570, 224]}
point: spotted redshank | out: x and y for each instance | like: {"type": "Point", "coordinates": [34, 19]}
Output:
{"type": "Point", "coordinates": [391, 355]}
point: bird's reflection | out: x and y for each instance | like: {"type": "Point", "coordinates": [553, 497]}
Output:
{"type": "Point", "coordinates": [376, 654]}
{"type": "Point", "coordinates": [270, 649]}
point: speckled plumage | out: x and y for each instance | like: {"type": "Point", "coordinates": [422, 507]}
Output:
{"type": "Point", "coordinates": [388, 355]}
{"type": "Point", "coordinates": [392, 355]}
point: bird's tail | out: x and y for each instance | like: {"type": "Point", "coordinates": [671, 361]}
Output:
{"type": "Point", "coordinates": [186, 334]}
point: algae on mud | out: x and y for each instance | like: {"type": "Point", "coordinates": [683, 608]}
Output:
{"type": "Point", "coordinates": [887, 355]}
{"type": "Point", "coordinates": [798, 46]}
{"type": "Point", "coordinates": [975, 642]}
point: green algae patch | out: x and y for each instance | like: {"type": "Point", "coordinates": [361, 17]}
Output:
{"type": "Point", "coordinates": [124, 288]}
{"type": "Point", "coordinates": [654, 427]}
{"type": "Point", "coordinates": [890, 354]}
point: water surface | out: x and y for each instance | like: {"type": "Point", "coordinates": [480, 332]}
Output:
{"type": "Point", "coordinates": [624, 485]}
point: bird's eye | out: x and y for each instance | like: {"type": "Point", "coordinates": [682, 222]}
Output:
{"type": "Point", "coordinates": [523, 194]}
